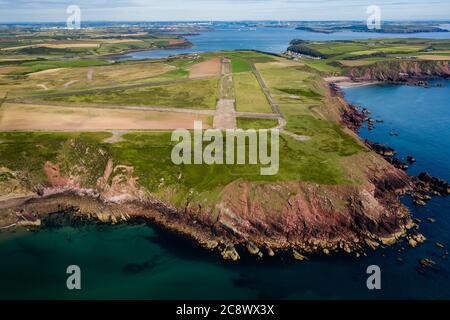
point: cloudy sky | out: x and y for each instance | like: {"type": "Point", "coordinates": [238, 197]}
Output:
{"type": "Point", "coordinates": [168, 10]}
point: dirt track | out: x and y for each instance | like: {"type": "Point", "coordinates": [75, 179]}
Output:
{"type": "Point", "coordinates": [225, 116]}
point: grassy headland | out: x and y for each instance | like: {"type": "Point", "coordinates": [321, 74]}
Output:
{"type": "Point", "coordinates": [338, 57]}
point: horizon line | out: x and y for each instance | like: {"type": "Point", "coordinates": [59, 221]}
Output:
{"type": "Point", "coordinates": [240, 20]}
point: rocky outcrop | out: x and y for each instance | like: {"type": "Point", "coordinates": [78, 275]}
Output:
{"type": "Point", "coordinates": [426, 185]}
{"type": "Point", "coordinates": [313, 218]}
{"type": "Point", "coordinates": [353, 118]}
{"type": "Point", "coordinates": [401, 71]}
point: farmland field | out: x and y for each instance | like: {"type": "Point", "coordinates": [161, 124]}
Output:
{"type": "Point", "coordinates": [199, 94]}
{"type": "Point", "coordinates": [17, 117]}
{"type": "Point", "coordinates": [248, 123]}
{"type": "Point", "coordinates": [101, 103]}
{"type": "Point", "coordinates": [336, 56]}
{"type": "Point", "coordinates": [249, 97]}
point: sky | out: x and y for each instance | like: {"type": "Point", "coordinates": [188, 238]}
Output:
{"type": "Point", "coordinates": [204, 10]}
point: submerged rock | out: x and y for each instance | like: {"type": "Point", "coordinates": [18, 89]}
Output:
{"type": "Point", "coordinates": [410, 159]}
{"type": "Point", "coordinates": [440, 245]}
{"type": "Point", "coordinates": [419, 202]}
{"type": "Point", "coordinates": [427, 263]}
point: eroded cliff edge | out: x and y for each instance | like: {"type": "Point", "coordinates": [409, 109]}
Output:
{"type": "Point", "coordinates": [395, 71]}
{"type": "Point", "coordinates": [294, 215]}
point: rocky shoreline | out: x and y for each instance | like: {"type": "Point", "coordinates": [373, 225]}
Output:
{"type": "Point", "coordinates": [88, 207]}
{"type": "Point", "coordinates": [424, 186]}
{"type": "Point", "coordinates": [406, 72]}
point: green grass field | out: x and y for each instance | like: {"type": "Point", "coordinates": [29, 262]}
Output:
{"type": "Point", "coordinates": [299, 90]}
{"type": "Point", "coordinates": [200, 94]}
{"type": "Point", "coordinates": [66, 43]}
{"type": "Point", "coordinates": [240, 65]}
{"type": "Point", "coordinates": [149, 153]}
{"type": "Point", "coordinates": [35, 66]}
{"type": "Point", "coordinates": [249, 97]}
{"type": "Point", "coordinates": [249, 123]}
{"type": "Point", "coordinates": [299, 94]}
{"type": "Point", "coordinates": [367, 50]}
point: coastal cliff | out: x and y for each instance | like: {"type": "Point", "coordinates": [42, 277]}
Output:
{"type": "Point", "coordinates": [302, 216]}
{"type": "Point", "coordinates": [400, 71]}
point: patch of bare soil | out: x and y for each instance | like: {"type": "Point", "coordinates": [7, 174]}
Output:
{"type": "Point", "coordinates": [434, 57]}
{"type": "Point", "coordinates": [6, 70]}
{"type": "Point", "coordinates": [45, 72]}
{"type": "Point", "coordinates": [23, 117]}
{"type": "Point", "coordinates": [211, 67]}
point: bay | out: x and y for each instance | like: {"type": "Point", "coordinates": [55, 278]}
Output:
{"type": "Point", "coordinates": [267, 39]}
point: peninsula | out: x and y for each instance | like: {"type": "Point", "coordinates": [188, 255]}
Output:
{"type": "Point", "coordinates": [86, 139]}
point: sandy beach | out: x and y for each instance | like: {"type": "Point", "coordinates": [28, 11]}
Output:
{"type": "Point", "coordinates": [347, 82]}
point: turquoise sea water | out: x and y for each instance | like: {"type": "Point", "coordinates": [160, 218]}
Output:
{"type": "Point", "coordinates": [144, 262]}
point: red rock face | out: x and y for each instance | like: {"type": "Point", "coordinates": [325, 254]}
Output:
{"type": "Point", "coordinates": [311, 215]}
{"type": "Point", "coordinates": [401, 70]}
{"type": "Point", "coordinates": [56, 179]}
{"type": "Point", "coordinates": [124, 185]}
